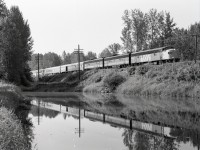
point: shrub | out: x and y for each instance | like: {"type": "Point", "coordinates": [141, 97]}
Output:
{"type": "Point", "coordinates": [73, 76]}
{"type": "Point", "coordinates": [131, 70]}
{"type": "Point", "coordinates": [98, 79]}
{"type": "Point", "coordinates": [113, 80]}
{"type": "Point", "coordinates": [143, 69]}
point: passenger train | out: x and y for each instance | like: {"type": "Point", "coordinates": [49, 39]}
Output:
{"type": "Point", "coordinates": [157, 55]}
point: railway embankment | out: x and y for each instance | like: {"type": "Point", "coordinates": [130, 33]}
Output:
{"type": "Point", "coordinates": [12, 131]}
{"type": "Point", "coordinates": [180, 79]}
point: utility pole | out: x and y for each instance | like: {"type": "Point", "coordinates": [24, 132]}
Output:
{"type": "Point", "coordinates": [78, 51]}
{"type": "Point", "coordinates": [38, 62]}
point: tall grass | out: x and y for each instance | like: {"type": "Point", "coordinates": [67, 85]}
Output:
{"type": "Point", "coordinates": [11, 132]}
{"type": "Point", "coordinates": [12, 135]}
{"type": "Point", "coordinates": [175, 79]}
{"type": "Point", "coordinates": [171, 79]}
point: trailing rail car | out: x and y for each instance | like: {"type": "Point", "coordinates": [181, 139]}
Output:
{"type": "Point", "coordinates": [157, 55]}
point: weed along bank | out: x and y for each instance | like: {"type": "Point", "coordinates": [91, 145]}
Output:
{"type": "Point", "coordinates": [14, 122]}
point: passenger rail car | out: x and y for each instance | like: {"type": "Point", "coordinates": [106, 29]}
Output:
{"type": "Point", "coordinates": [157, 55]}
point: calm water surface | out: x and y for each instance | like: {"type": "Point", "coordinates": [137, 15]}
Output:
{"type": "Point", "coordinates": [93, 122]}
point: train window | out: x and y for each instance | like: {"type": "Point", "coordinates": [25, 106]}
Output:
{"type": "Point", "coordinates": [154, 54]}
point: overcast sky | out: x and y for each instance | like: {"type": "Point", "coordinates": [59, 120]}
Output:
{"type": "Point", "coordinates": [58, 25]}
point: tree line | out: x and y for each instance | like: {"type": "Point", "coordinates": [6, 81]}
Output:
{"type": "Point", "coordinates": [15, 46]}
{"type": "Point", "coordinates": [154, 29]}
{"type": "Point", "coordinates": [141, 31]}
{"type": "Point", "coordinates": [51, 59]}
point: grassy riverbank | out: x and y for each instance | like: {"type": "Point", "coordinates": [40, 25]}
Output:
{"type": "Point", "coordinates": [11, 129]}
{"type": "Point", "coordinates": [170, 79]}
{"type": "Point", "coordinates": [173, 79]}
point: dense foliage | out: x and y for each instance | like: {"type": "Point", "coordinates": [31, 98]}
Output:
{"type": "Point", "coordinates": [16, 45]}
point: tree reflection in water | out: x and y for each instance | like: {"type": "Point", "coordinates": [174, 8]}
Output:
{"type": "Point", "coordinates": [43, 112]}
{"type": "Point", "coordinates": [186, 135]}
{"type": "Point", "coordinates": [22, 114]}
{"type": "Point", "coordinates": [128, 140]}
{"type": "Point", "coordinates": [136, 140]}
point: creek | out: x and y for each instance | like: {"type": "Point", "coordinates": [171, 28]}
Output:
{"type": "Point", "coordinates": [113, 122]}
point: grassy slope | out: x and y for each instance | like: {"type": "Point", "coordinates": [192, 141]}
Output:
{"type": "Point", "coordinates": [12, 134]}
{"type": "Point", "coordinates": [174, 79]}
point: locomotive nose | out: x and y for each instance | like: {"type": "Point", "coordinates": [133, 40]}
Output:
{"type": "Point", "coordinates": [172, 53]}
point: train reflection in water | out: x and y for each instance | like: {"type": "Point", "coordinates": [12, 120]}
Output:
{"type": "Point", "coordinates": [78, 113]}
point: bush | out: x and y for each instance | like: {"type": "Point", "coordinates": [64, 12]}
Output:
{"type": "Point", "coordinates": [73, 76]}
{"type": "Point", "coordinates": [131, 70]}
{"type": "Point", "coordinates": [143, 69]}
{"type": "Point", "coordinates": [113, 80]}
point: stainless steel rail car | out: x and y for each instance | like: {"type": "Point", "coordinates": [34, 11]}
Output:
{"type": "Point", "coordinates": [96, 63]}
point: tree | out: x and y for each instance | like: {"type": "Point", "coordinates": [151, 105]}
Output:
{"type": "Point", "coordinates": [11, 52]}
{"type": "Point", "coordinates": [3, 10]}
{"type": "Point", "coordinates": [153, 23]}
{"type": "Point", "coordinates": [139, 29]}
{"type": "Point", "coordinates": [90, 55]}
{"type": "Point", "coordinates": [105, 53]}
{"type": "Point", "coordinates": [51, 59]}
{"type": "Point", "coordinates": [63, 57]}
{"type": "Point", "coordinates": [68, 58]}
{"type": "Point", "coordinates": [184, 43]}
{"type": "Point", "coordinates": [3, 15]}
{"type": "Point", "coordinates": [169, 26]}
{"type": "Point", "coordinates": [33, 64]}
{"type": "Point", "coordinates": [114, 48]}
{"type": "Point", "coordinates": [126, 33]}
{"type": "Point", "coordinates": [16, 47]}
